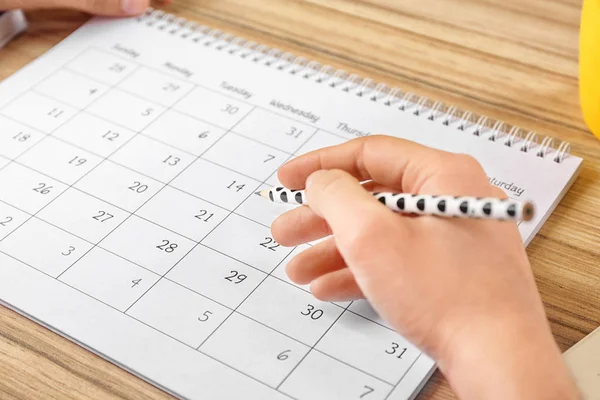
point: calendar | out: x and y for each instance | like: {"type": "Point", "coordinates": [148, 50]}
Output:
{"type": "Point", "coordinates": [129, 158]}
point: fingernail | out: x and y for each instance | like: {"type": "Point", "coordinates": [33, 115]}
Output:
{"type": "Point", "coordinates": [132, 7]}
{"type": "Point", "coordinates": [311, 178]}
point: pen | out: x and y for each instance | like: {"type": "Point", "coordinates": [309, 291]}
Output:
{"type": "Point", "coordinates": [421, 204]}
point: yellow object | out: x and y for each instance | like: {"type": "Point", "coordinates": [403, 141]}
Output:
{"type": "Point", "coordinates": [589, 64]}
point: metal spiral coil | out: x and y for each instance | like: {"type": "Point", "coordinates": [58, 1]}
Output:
{"type": "Point", "coordinates": [436, 111]}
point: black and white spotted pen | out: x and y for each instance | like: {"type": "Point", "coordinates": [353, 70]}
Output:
{"type": "Point", "coordinates": [443, 206]}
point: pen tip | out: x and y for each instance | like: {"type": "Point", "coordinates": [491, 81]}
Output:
{"type": "Point", "coordinates": [258, 193]}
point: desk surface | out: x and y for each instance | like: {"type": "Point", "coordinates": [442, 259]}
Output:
{"type": "Point", "coordinates": [508, 59]}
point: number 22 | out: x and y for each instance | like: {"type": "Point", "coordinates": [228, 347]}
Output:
{"type": "Point", "coordinates": [270, 244]}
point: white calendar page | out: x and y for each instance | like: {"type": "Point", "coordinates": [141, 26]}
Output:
{"type": "Point", "coordinates": [128, 161]}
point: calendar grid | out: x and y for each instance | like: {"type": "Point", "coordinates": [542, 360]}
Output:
{"type": "Point", "coordinates": [45, 137]}
{"type": "Point", "coordinates": [196, 292]}
{"type": "Point", "coordinates": [200, 241]}
{"type": "Point", "coordinates": [195, 349]}
{"type": "Point", "coordinates": [142, 322]}
{"type": "Point", "coordinates": [198, 348]}
{"type": "Point", "coordinates": [179, 284]}
{"type": "Point", "coordinates": [141, 133]}
{"type": "Point", "coordinates": [256, 287]}
{"type": "Point", "coordinates": [228, 131]}
{"type": "Point", "coordinates": [133, 170]}
{"type": "Point", "coordinates": [23, 93]}
{"type": "Point", "coordinates": [166, 73]}
{"type": "Point", "coordinates": [106, 159]}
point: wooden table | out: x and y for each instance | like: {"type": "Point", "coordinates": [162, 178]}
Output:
{"type": "Point", "coordinates": [509, 59]}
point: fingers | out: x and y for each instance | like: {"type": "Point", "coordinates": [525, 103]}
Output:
{"type": "Point", "coordinates": [383, 159]}
{"type": "Point", "coordinates": [323, 267]}
{"type": "Point", "coordinates": [338, 198]}
{"type": "Point", "coordinates": [301, 225]}
{"type": "Point", "coordinates": [98, 7]}
{"type": "Point", "coordinates": [298, 226]}
{"type": "Point", "coordinates": [314, 262]}
{"type": "Point", "coordinates": [367, 234]}
{"type": "Point", "coordinates": [396, 163]}
{"type": "Point", "coordinates": [336, 286]}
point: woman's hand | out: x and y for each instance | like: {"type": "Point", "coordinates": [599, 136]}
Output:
{"type": "Point", "coordinates": [115, 8]}
{"type": "Point", "coordinates": [461, 290]}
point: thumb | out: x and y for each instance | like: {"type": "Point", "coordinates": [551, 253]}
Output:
{"type": "Point", "coordinates": [98, 7]}
{"type": "Point", "coordinates": [367, 234]}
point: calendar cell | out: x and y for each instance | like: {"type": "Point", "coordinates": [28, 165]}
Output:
{"type": "Point", "coordinates": [44, 247]}
{"type": "Point", "coordinates": [280, 270]}
{"type": "Point", "coordinates": [213, 108]}
{"type": "Point", "coordinates": [248, 242]}
{"type": "Point", "coordinates": [102, 66]}
{"type": "Point", "coordinates": [179, 312]}
{"type": "Point", "coordinates": [261, 210]}
{"type": "Point", "coordinates": [27, 189]}
{"type": "Point", "coordinates": [152, 158]}
{"type": "Point", "coordinates": [182, 213]}
{"type": "Point", "coordinates": [71, 88]}
{"type": "Point", "coordinates": [94, 134]}
{"type": "Point", "coordinates": [10, 219]}
{"type": "Point", "coordinates": [216, 276]}
{"type": "Point", "coordinates": [16, 138]}
{"type": "Point", "coordinates": [83, 215]}
{"type": "Point", "coordinates": [40, 112]}
{"type": "Point", "coordinates": [159, 88]}
{"type": "Point", "coordinates": [185, 133]}
{"type": "Point", "coordinates": [147, 244]}
{"type": "Point", "coordinates": [319, 140]}
{"type": "Point", "coordinates": [119, 186]}
{"type": "Point", "coordinates": [364, 309]}
{"type": "Point", "coordinates": [254, 349]}
{"type": "Point", "coordinates": [109, 278]}
{"type": "Point", "coordinates": [369, 347]}
{"type": "Point", "coordinates": [319, 377]}
{"type": "Point", "coordinates": [60, 160]}
{"type": "Point", "coordinates": [295, 312]}
{"type": "Point", "coordinates": [127, 110]}
{"type": "Point", "coordinates": [274, 130]}
{"type": "Point", "coordinates": [246, 156]}
{"type": "Point", "coordinates": [216, 184]}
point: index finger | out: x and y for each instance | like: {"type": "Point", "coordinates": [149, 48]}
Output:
{"type": "Point", "coordinates": [396, 163]}
{"type": "Point", "coordinates": [393, 162]}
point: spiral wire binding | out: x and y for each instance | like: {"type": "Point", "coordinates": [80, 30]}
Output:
{"type": "Point", "coordinates": [466, 121]}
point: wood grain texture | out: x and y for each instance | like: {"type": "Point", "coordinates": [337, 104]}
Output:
{"type": "Point", "coordinates": [508, 59]}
